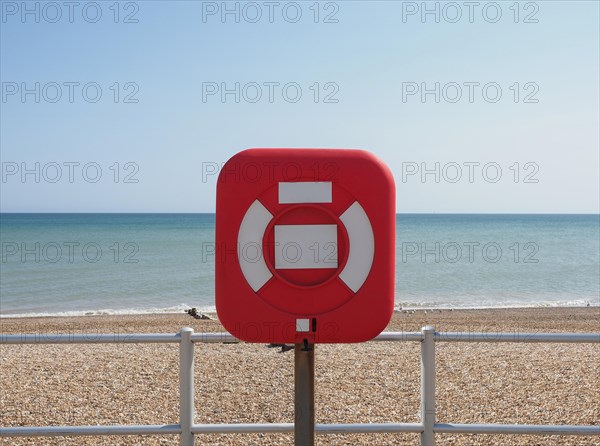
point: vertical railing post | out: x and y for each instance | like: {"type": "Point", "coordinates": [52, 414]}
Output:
{"type": "Point", "coordinates": [428, 385]}
{"type": "Point", "coordinates": [186, 387]}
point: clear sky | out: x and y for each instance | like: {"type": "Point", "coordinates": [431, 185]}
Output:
{"type": "Point", "coordinates": [511, 107]}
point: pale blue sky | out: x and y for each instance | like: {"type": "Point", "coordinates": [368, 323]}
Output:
{"type": "Point", "coordinates": [370, 55]}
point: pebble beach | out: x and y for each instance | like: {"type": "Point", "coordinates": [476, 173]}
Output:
{"type": "Point", "coordinates": [374, 382]}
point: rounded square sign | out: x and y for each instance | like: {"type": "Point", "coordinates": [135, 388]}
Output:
{"type": "Point", "coordinates": [305, 245]}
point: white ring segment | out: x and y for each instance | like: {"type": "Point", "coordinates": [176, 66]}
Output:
{"type": "Point", "coordinates": [250, 237]}
{"type": "Point", "coordinates": [362, 246]}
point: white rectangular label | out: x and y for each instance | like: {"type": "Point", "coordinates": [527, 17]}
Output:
{"type": "Point", "coordinates": [305, 246]}
{"type": "Point", "coordinates": [303, 325]}
{"type": "Point", "coordinates": [305, 192]}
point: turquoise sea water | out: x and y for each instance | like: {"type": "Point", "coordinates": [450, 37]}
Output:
{"type": "Point", "coordinates": [80, 264]}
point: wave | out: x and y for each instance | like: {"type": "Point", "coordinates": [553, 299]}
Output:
{"type": "Point", "coordinates": [491, 306]}
{"type": "Point", "coordinates": [177, 309]}
{"type": "Point", "coordinates": [182, 308]}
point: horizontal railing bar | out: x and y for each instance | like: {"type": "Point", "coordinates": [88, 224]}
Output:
{"type": "Point", "coordinates": [368, 428]}
{"type": "Point", "coordinates": [519, 429]}
{"type": "Point", "coordinates": [322, 429]}
{"type": "Point", "coordinates": [132, 338]}
{"type": "Point", "coordinates": [110, 338]}
{"type": "Point", "coordinates": [517, 337]}
{"type": "Point", "coordinates": [242, 428]}
{"type": "Point", "coordinates": [69, 431]}
{"type": "Point", "coordinates": [92, 338]}
{"type": "Point", "coordinates": [210, 338]}
{"type": "Point", "coordinates": [399, 336]}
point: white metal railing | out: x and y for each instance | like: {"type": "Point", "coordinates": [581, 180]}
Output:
{"type": "Point", "coordinates": [186, 428]}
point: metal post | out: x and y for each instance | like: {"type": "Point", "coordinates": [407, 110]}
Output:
{"type": "Point", "coordinates": [428, 386]}
{"type": "Point", "coordinates": [186, 387]}
{"type": "Point", "coordinates": [304, 383]}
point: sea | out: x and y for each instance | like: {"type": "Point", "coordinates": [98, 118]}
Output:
{"type": "Point", "coordinates": [90, 264]}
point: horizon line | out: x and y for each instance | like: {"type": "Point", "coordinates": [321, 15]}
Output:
{"type": "Point", "coordinates": [397, 213]}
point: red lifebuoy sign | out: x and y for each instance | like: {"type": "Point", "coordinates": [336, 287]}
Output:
{"type": "Point", "coordinates": [305, 245]}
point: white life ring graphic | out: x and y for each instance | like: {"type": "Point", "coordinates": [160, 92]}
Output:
{"type": "Point", "coordinates": [256, 220]}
